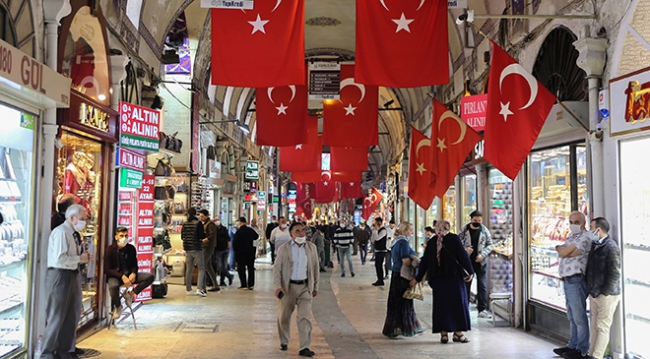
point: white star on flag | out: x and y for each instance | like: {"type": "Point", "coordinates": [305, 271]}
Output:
{"type": "Point", "coordinates": [299, 147]}
{"type": "Point", "coordinates": [351, 184]}
{"type": "Point", "coordinates": [282, 109]}
{"type": "Point", "coordinates": [420, 168]}
{"type": "Point", "coordinates": [403, 24]}
{"type": "Point", "coordinates": [441, 144]}
{"type": "Point", "coordinates": [350, 110]}
{"type": "Point", "coordinates": [325, 183]}
{"type": "Point", "coordinates": [258, 25]}
{"type": "Point", "coordinates": [505, 111]}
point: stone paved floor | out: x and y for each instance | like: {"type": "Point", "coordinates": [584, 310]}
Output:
{"type": "Point", "coordinates": [349, 315]}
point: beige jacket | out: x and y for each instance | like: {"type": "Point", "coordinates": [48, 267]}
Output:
{"type": "Point", "coordinates": [284, 265]}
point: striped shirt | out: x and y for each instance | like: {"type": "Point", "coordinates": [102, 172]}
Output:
{"type": "Point", "coordinates": [343, 237]}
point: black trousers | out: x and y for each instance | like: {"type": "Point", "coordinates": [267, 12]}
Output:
{"type": "Point", "coordinates": [246, 263]}
{"type": "Point", "coordinates": [480, 273]}
{"type": "Point", "coordinates": [272, 252]}
{"type": "Point", "coordinates": [379, 266]}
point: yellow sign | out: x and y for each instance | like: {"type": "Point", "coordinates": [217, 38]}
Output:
{"type": "Point", "coordinates": [93, 117]}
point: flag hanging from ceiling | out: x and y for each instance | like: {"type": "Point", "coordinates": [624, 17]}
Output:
{"type": "Point", "coordinates": [347, 176]}
{"type": "Point", "coordinates": [325, 188]}
{"type": "Point", "coordinates": [518, 106]}
{"type": "Point", "coordinates": [422, 170]}
{"type": "Point", "coordinates": [281, 113]}
{"type": "Point", "coordinates": [402, 43]}
{"type": "Point", "coordinates": [306, 177]}
{"type": "Point", "coordinates": [451, 141]}
{"type": "Point", "coordinates": [303, 157]}
{"type": "Point", "coordinates": [348, 158]}
{"type": "Point", "coordinates": [351, 190]}
{"type": "Point", "coordinates": [303, 200]}
{"type": "Point", "coordinates": [370, 203]}
{"type": "Point", "coordinates": [264, 47]}
{"type": "Point", "coordinates": [353, 120]}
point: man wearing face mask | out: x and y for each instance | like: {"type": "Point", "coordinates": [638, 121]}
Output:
{"type": "Point", "coordinates": [573, 262]}
{"type": "Point", "coordinates": [295, 279]}
{"type": "Point", "coordinates": [280, 235]}
{"type": "Point", "coordinates": [121, 267]}
{"type": "Point", "coordinates": [477, 241]}
{"type": "Point", "coordinates": [209, 245]}
{"type": "Point", "coordinates": [64, 254]}
{"type": "Point", "coordinates": [343, 237]}
{"type": "Point", "coordinates": [222, 251]}
{"type": "Point", "coordinates": [603, 276]}
{"type": "Point", "coordinates": [244, 248]}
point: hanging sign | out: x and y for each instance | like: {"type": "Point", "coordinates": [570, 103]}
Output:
{"type": "Point", "coordinates": [457, 4]}
{"type": "Point", "coordinates": [130, 178]}
{"type": "Point", "coordinates": [473, 111]}
{"type": "Point", "coordinates": [324, 81]}
{"type": "Point", "coordinates": [129, 159]}
{"type": "Point", "coordinates": [250, 187]}
{"type": "Point", "coordinates": [139, 127]}
{"type": "Point", "coordinates": [144, 237]}
{"type": "Point", "coordinates": [227, 4]}
{"type": "Point", "coordinates": [252, 170]}
{"type": "Point", "coordinates": [630, 103]}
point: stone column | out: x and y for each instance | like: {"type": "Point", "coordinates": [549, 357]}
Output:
{"type": "Point", "coordinates": [592, 60]}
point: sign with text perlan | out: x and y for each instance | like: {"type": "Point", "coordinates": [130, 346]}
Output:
{"type": "Point", "coordinates": [473, 111]}
{"type": "Point", "coordinates": [139, 127]}
{"type": "Point", "coordinates": [252, 170]}
{"type": "Point", "coordinates": [324, 81]}
{"type": "Point", "coordinates": [227, 4]}
{"type": "Point", "coordinates": [130, 178]}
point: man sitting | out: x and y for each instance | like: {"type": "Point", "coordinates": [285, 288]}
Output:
{"type": "Point", "coordinates": [121, 267]}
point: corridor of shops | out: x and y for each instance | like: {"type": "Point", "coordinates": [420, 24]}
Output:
{"type": "Point", "coordinates": [348, 316]}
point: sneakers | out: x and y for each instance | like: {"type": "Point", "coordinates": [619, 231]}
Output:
{"type": "Point", "coordinates": [201, 292]}
{"type": "Point", "coordinates": [190, 292]}
{"type": "Point", "coordinates": [378, 284]}
{"type": "Point", "coordinates": [214, 289]}
{"type": "Point", "coordinates": [485, 314]}
{"type": "Point", "coordinates": [128, 299]}
{"type": "Point", "coordinates": [117, 312]}
{"type": "Point", "coordinates": [562, 350]}
{"type": "Point", "coordinates": [576, 354]}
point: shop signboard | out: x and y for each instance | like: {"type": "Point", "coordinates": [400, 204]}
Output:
{"type": "Point", "coordinates": [630, 103]}
{"type": "Point", "coordinates": [130, 159]}
{"type": "Point", "coordinates": [139, 127]}
{"type": "Point", "coordinates": [457, 4]}
{"type": "Point", "coordinates": [144, 236]}
{"type": "Point", "coordinates": [250, 187]}
{"type": "Point", "coordinates": [214, 169]}
{"type": "Point", "coordinates": [227, 4]}
{"type": "Point", "coordinates": [261, 200]}
{"type": "Point", "coordinates": [473, 111]}
{"type": "Point", "coordinates": [252, 170]}
{"type": "Point", "coordinates": [130, 178]}
{"type": "Point", "coordinates": [324, 81]}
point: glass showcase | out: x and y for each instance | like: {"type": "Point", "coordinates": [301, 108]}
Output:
{"type": "Point", "coordinates": [449, 208]}
{"type": "Point", "coordinates": [468, 197]}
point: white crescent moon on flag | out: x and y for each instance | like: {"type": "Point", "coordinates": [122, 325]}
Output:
{"type": "Point", "coordinates": [329, 175]}
{"type": "Point", "coordinates": [424, 142]}
{"type": "Point", "coordinates": [461, 124]}
{"type": "Point", "coordinates": [532, 81]}
{"type": "Point", "coordinates": [276, 5]}
{"type": "Point", "coordinates": [350, 82]}
{"type": "Point", "coordinates": [384, 3]}
{"type": "Point", "coordinates": [269, 91]}
{"type": "Point", "coordinates": [421, 3]}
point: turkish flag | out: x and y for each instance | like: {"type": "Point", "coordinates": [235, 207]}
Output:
{"type": "Point", "coordinates": [402, 43]}
{"type": "Point", "coordinates": [325, 188]}
{"type": "Point", "coordinates": [518, 106]}
{"type": "Point", "coordinates": [422, 170]}
{"type": "Point", "coordinates": [351, 190]}
{"type": "Point", "coordinates": [348, 158]}
{"type": "Point", "coordinates": [303, 200]}
{"type": "Point", "coordinates": [370, 203]}
{"type": "Point", "coordinates": [347, 176]}
{"type": "Point", "coordinates": [264, 47]}
{"type": "Point", "coordinates": [281, 115]}
{"type": "Point", "coordinates": [303, 157]}
{"type": "Point", "coordinates": [451, 141]}
{"type": "Point", "coordinates": [306, 177]}
{"type": "Point", "coordinates": [352, 121]}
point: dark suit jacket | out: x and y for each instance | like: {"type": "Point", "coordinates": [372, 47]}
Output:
{"type": "Point", "coordinates": [243, 242]}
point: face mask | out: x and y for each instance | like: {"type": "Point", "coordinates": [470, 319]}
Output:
{"type": "Point", "coordinates": [342, 225]}
{"type": "Point", "coordinates": [575, 228]}
{"type": "Point", "coordinates": [218, 223]}
{"type": "Point", "coordinates": [122, 242]}
{"type": "Point", "coordinates": [593, 235]}
{"type": "Point", "coordinates": [300, 240]}
{"type": "Point", "coordinates": [80, 225]}
{"type": "Point", "coordinates": [283, 226]}
{"type": "Point", "coordinates": [475, 225]}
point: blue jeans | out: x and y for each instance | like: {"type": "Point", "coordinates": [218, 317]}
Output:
{"type": "Point", "coordinates": [363, 251]}
{"type": "Point", "coordinates": [345, 254]}
{"type": "Point", "coordinates": [575, 291]}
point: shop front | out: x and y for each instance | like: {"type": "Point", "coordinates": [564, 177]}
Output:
{"type": "Point", "coordinates": [27, 88]}
{"type": "Point", "coordinates": [88, 132]}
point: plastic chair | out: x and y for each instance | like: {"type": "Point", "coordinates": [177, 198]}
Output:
{"type": "Point", "coordinates": [500, 297]}
{"type": "Point", "coordinates": [111, 320]}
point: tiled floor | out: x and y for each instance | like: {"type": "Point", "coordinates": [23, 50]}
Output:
{"type": "Point", "coordinates": [348, 312]}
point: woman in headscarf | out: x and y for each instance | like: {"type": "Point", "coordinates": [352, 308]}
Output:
{"type": "Point", "coordinates": [400, 315]}
{"type": "Point", "coordinates": [447, 266]}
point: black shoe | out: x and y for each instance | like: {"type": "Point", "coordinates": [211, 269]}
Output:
{"type": "Point", "coordinates": [353, 274]}
{"type": "Point", "coordinates": [73, 355]}
{"type": "Point", "coordinates": [306, 353]}
{"type": "Point", "coordinates": [562, 350]}
{"type": "Point", "coordinates": [223, 284]}
{"type": "Point", "coordinates": [378, 284]}
{"type": "Point", "coordinates": [574, 354]}
{"type": "Point", "coordinates": [322, 270]}
{"type": "Point", "coordinates": [342, 274]}
{"type": "Point", "coordinates": [79, 351]}
{"type": "Point", "coordinates": [229, 281]}
{"type": "Point", "coordinates": [214, 289]}
{"type": "Point", "coordinates": [283, 347]}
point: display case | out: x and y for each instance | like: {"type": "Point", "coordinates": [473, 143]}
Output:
{"type": "Point", "coordinates": [635, 229]}
{"type": "Point", "coordinates": [468, 197]}
{"type": "Point", "coordinates": [170, 207]}
{"type": "Point", "coordinates": [16, 237]}
{"type": "Point", "coordinates": [557, 186]}
{"type": "Point", "coordinates": [449, 208]}
{"type": "Point", "coordinates": [499, 219]}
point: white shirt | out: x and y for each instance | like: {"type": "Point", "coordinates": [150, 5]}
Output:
{"type": "Point", "coordinates": [63, 252]}
{"type": "Point", "coordinates": [280, 237]}
{"type": "Point", "coordinates": [299, 258]}
{"type": "Point", "coordinates": [390, 233]}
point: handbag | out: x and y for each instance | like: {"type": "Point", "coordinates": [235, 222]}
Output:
{"type": "Point", "coordinates": [160, 193]}
{"type": "Point", "coordinates": [414, 292]}
{"type": "Point", "coordinates": [163, 140]}
{"type": "Point", "coordinates": [466, 274]}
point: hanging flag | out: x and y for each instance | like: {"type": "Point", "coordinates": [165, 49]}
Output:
{"type": "Point", "coordinates": [264, 47]}
{"type": "Point", "coordinates": [422, 170]}
{"type": "Point", "coordinates": [451, 142]}
{"type": "Point", "coordinates": [370, 203]}
{"type": "Point", "coordinates": [402, 43]}
{"type": "Point", "coordinates": [351, 190]}
{"type": "Point", "coordinates": [325, 188]}
{"type": "Point", "coordinates": [306, 177]}
{"type": "Point", "coordinates": [352, 121]}
{"type": "Point", "coordinates": [281, 115]}
{"type": "Point", "coordinates": [349, 158]}
{"type": "Point", "coordinates": [347, 176]}
{"type": "Point", "coordinates": [303, 157]}
{"type": "Point", "coordinates": [518, 106]}
{"type": "Point", "coordinates": [303, 200]}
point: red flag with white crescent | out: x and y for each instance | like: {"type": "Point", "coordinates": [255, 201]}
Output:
{"type": "Point", "coordinates": [281, 115]}
{"type": "Point", "coordinates": [421, 170]}
{"type": "Point", "coordinates": [325, 188]}
{"type": "Point", "coordinates": [348, 159]}
{"type": "Point", "coordinates": [370, 203]}
{"type": "Point", "coordinates": [303, 157]}
{"type": "Point", "coordinates": [351, 190]}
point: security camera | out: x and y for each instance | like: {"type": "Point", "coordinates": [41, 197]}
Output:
{"type": "Point", "coordinates": [468, 16]}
